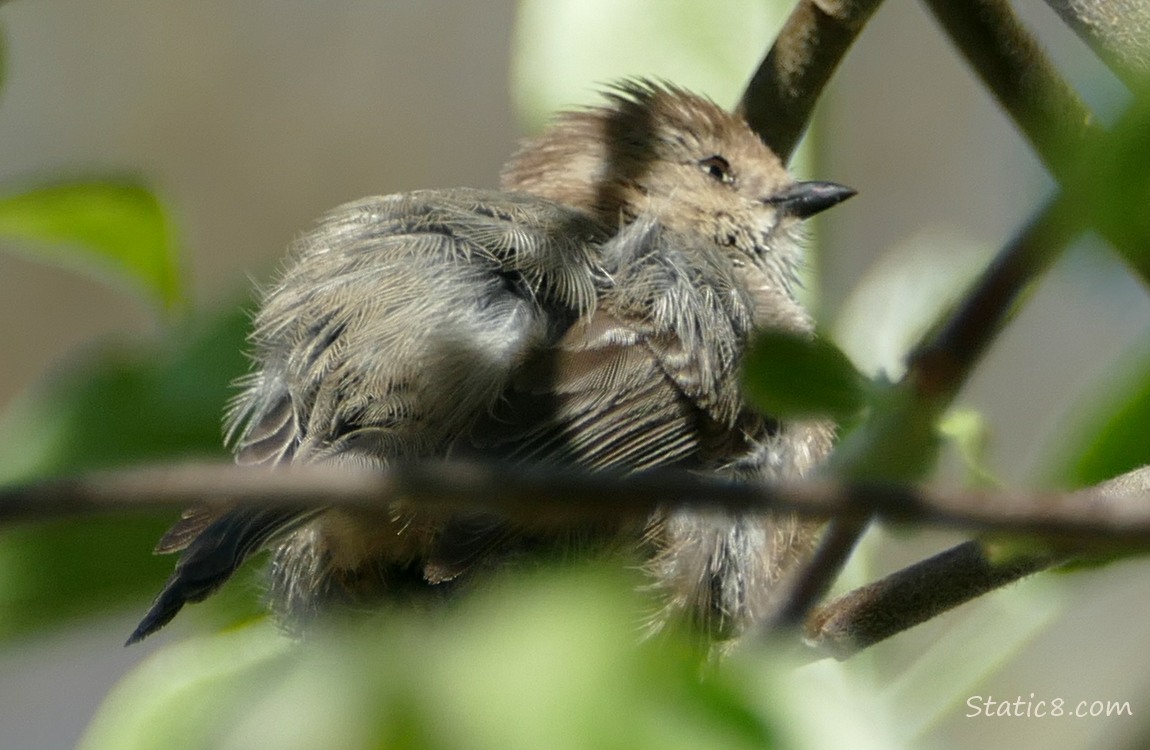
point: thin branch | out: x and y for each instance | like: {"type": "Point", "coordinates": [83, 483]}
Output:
{"type": "Point", "coordinates": [545, 498]}
{"type": "Point", "coordinates": [814, 579]}
{"type": "Point", "coordinates": [943, 361]}
{"type": "Point", "coordinates": [1112, 516]}
{"type": "Point", "coordinates": [782, 93]}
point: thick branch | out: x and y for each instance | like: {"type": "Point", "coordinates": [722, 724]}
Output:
{"type": "Point", "coordinates": [1011, 63]}
{"type": "Point", "coordinates": [782, 93]}
{"type": "Point", "coordinates": [1117, 30]}
{"type": "Point", "coordinates": [913, 595]}
{"type": "Point", "coordinates": [859, 619]}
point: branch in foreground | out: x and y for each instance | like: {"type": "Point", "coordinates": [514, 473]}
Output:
{"type": "Point", "coordinates": [782, 93]}
{"type": "Point", "coordinates": [1113, 514]}
{"type": "Point", "coordinates": [1117, 513]}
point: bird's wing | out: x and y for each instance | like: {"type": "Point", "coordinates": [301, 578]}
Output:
{"type": "Point", "coordinates": [397, 322]}
{"type": "Point", "coordinates": [648, 379]}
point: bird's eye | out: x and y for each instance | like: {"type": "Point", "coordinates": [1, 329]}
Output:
{"type": "Point", "coordinates": [718, 168]}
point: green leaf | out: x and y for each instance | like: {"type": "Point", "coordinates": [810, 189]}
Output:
{"type": "Point", "coordinates": [53, 573]}
{"type": "Point", "coordinates": [967, 430]}
{"type": "Point", "coordinates": [187, 692]}
{"type": "Point", "coordinates": [788, 375]}
{"type": "Point", "coordinates": [118, 405]}
{"type": "Point", "coordinates": [1110, 434]}
{"type": "Point", "coordinates": [564, 49]}
{"type": "Point", "coordinates": [898, 441]}
{"type": "Point", "coordinates": [127, 403]}
{"type": "Point", "coordinates": [544, 660]}
{"type": "Point", "coordinates": [112, 228]}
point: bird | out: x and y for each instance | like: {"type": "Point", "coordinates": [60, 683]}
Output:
{"type": "Point", "coordinates": [590, 314]}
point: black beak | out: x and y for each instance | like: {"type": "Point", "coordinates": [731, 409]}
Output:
{"type": "Point", "coordinates": [805, 199]}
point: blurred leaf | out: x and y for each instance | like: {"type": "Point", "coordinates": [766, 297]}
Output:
{"type": "Point", "coordinates": [187, 693]}
{"type": "Point", "coordinates": [903, 295]}
{"type": "Point", "coordinates": [897, 441]}
{"type": "Point", "coordinates": [117, 405]}
{"type": "Point", "coordinates": [566, 48]}
{"type": "Point", "coordinates": [535, 661]}
{"type": "Point", "coordinates": [788, 375]}
{"type": "Point", "coordinates": [968, 431]}
{"type": "Point", "coordinates": [1110, 434]}
{"type": "Point", "coordinates": [117, 227]}
{"type": "Point", "coordinates": [1116, 185]}
{"type": "Point", "coordinates": [126, 403]}
{"type": "Point", "coordinates": [55, 572]}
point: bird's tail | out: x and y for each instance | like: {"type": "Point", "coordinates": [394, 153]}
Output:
{"type": "Point", "coordinates": [211, 555]}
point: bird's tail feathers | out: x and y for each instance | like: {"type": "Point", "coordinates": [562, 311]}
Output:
{"type": "Point", "coordinates": [213, 555]}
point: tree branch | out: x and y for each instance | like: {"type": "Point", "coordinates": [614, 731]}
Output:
{"type": "Point", "coordinates": [782, 93]}
{"type": "Point", "coordinates": [546, 498]}
{"type": "Point", "coordinates": [872, 613]}
{"type": "Point", "coordinates": [1117, 30]}
{"type": "Point", "coordinates": [1115, 515]}
{"type": "Point", "coordinates": [1011, 64]}
{"type": "Point", "coordinates": [942, 362]}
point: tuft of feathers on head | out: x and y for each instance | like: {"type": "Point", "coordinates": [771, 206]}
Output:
{"type": "Point", "coordinates": [591, 157]}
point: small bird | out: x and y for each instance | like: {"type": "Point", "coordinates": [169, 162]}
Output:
{"type": "Point", "coordinates": [591, 315]}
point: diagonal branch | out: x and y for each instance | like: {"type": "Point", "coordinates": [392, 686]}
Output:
{"type": "Point", "coordinates": [1117, 30]}
{"type": "Point", "coordinates": [1013, 67]}
{"type": "Point", "coordinates": [870, 614]}
{"type": "Point", "coordinates": [782, 93]}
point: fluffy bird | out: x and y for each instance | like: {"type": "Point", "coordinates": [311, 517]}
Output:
{"type": "Point", "coordinates": [590, 315]}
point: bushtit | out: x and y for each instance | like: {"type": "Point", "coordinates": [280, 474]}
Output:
{"type": "Point", "coordinates": [592, 315]}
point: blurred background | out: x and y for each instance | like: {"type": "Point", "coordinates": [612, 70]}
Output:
{"type": "Point", "coordinates": [251, 119]}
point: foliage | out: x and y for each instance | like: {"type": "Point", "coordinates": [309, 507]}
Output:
{"type": "Point", "coordinates": [540, 661]}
